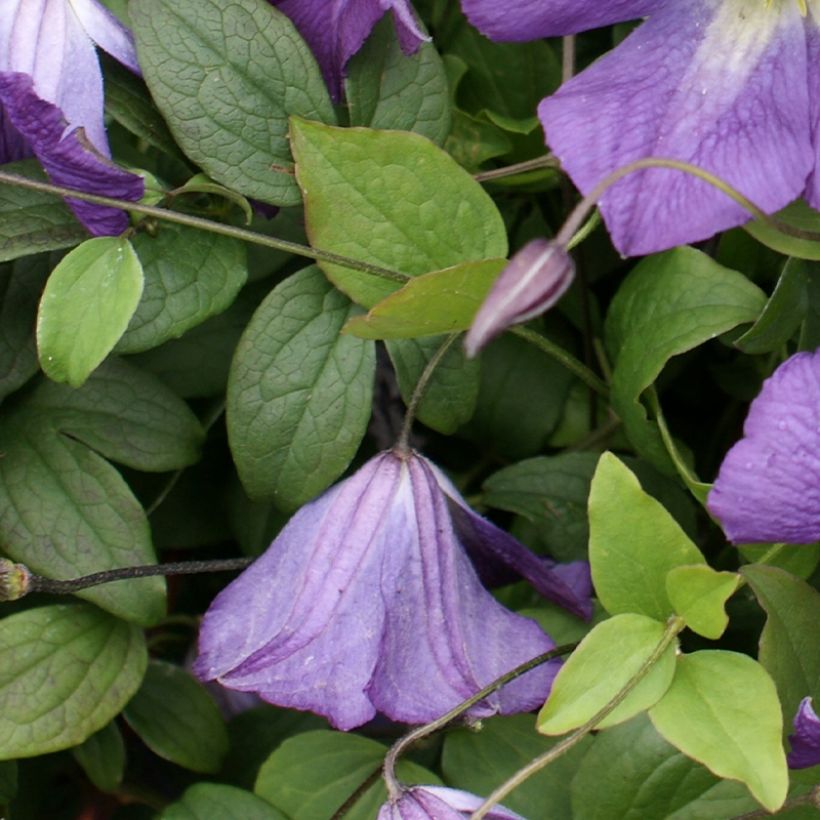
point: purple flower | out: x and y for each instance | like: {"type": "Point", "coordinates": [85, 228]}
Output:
{"type": "Point", "coordinates": [533, 281]}
{"type": "Point", "coordinates": [367, 601]}
{"type": "Point", "coordinates": [337, 29]}
{"type": "Point", "coordinates": [51, 99]}
{"type": "Point", "coordinates": [805, 741]}
{"type": "Point", "coordinates": [729, 85]}
{"type": "Point", "coordinates": [768, 487]}
{"type": "Point", "coordinates": [438, 803]}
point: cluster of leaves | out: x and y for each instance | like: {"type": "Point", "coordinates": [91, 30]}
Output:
{"type": "Point", "coordinates": [114, 447]}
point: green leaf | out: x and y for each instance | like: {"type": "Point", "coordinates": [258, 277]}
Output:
{"type": "Point", "coordinates": [789, 649]}
{"type": "Point", "coordinates": [797, 215]}
{"type": "Point", "coordinates": [215, 801]}
{"type": "Point", "coordinates": [299, 395]}
{"type": "Point", "coordinates": [8, 781]}
{"type": "Point", "coordinates": [190, 275]}
{"type": "Point", "coordinates": [670, 303]}
{"type": "Point", "coordinates": [102, 757]}
{"type": "Point", "coordinates": [89, 299]}
{"type": "Point", "coordinates": [450, 397]}
{"type": "Point", "coordinates": [633, 543]}
{"type": "Point", "coordinates": [393, 199]}
{"type": "Point", "coordinates": [478, 761]}
{"type": "Point", "coordinates": [783, 313]}
{"type": "Point", "coordinates": [177, 719]}
{"type": "Point", "coordinates": [698, 593]}
{"type": "Point", "coordinates": [439, 302]}
{"type": "Point", "coordinates": [64, 510]}
{"type": "Point", "coordinates": [311, 775]}
{"type": "Point", "coordinates": [604, 662]}
{"type": "Point", "coordinates": [203, 184]}
{"type": "Point", "coordinates": [722, 710]}
{"type": "Point", "coordinates": [632, 773]}
{"type": "Point", "coordinates": [33, 221]}
{"type": "Point", "coordinates": [798, 559]}
{"type": "Point", "coordinates": [386, 88]}
{"type": "Point", "coordinates": [65, 672]}
{"type": "Point", "coordinates": [226, 78]}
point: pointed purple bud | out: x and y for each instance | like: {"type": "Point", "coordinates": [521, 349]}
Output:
{"type": "Point", "coordinates": [533, 281]}
{"type": "Point", "coordinates": [367, 602]}
{"type": "Point", "coordinates": [805, 741]}
{"type": "Point", "coordinates": [768, 486]}
{"type": "Point", "coordinates": [439, 803]}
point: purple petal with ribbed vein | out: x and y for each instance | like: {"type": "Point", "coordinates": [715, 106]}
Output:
{"type": "Point", "coordinates": [532, 19]}
{"type": "Point", "coordinates": [366, 601]}
{"type": "Point", "coordinates": [813, 50]}
{"type": "Point", "coordinates": [768, 487]}
{"type": "Point", "coordinates": [671, 89]}
{"type": "Point", "coordinates": [68, 158]}
{"type": "Point", "coordinates": [439, 803]}
{"type": "Point", "coordinates": [805, 741]}
{"type": "Point", "coordinates": [336, 29]}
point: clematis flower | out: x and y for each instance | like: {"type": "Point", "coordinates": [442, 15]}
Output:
{"type": "Point", "coordinates": [805, 741]}
{"type": "Point", "coordinates": [337, 29]}
{"type": "Point", "coordinates": [51, 99]}
{"type": "Point", "coordinates": [533, 281]}
{"type": "Point", "coordinates": [438, 803]}
{"type": "Point", "coordinates": [768, 486]}
{"type": "Point", "coordinates": [729, 85]}
{"type": "Point", "coordinates": [367, 601]}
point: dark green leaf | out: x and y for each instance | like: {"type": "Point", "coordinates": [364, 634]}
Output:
{"type": "Point", "coordinates": [226, 78]}
{"type": "Point", "coordinates": [393, 199]}
{"type": "Point", "coordinates": [102, 757]}
{"type": "Point", "coordinates": [797, 215]}
{"type": "Point", "coordinates": [65, 672]}
{"type": "Point", "coordinates": [177, 719]}
{"type": "Point", "coordinates": [203, 184]}
{"type": "Point", "coordinates": [215, 801]}
{"type": "Point", "coordinates": [299, 394]}
{"type": "Point", "coordinates": [8, 780]}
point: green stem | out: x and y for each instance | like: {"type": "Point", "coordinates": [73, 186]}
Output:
{"type": "Point", "coordinates": [547, 161]}
{"type": "Point", "coordinates": [207, 225]}
{"type": "Point", "coordinates": [673, 626]}
{"type": "Point", "coordinates": [566, 359]}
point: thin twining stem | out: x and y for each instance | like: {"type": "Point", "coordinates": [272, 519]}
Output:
{"type": "Point", "coordinates": [673, 626]}
{"type": "Point", "coordinates": [546, 161]}
{"type": "Point", "coordinates": [393, 786]}
{"type": "Point", "coordinates": [208, 225]}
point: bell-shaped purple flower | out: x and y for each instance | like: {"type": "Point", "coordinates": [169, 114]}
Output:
{"type": "Point", "coordinates": [805, 741]}
{"type": "Point", "coordinates": [532, 282]}
{"type": "Point", "coordinates": [337, 29]}
{"type": "Point", "coordinates": [51, 99]}
{"type": "Point", "coordinates": [768, 486]}
{"type": "Point", "coordinates": [729, 85]}
{"type": "Point", "coordinates": [438, 803]}
{"type": "Point", "coordinates": [367, 602]}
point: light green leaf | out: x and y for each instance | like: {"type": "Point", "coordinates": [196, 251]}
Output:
{"type": "Point", "coordinates": [32, 221]}
{"type": "Point", "coordinates": [698, 593]}
{"type": "Point", "coordinates": [177, 719]}
{"type": "Point", "coordinates": [633, 543]}
{"type": "Point", "coordinates": [65, 672]}
{"type": "Point", "coordinates": [311, 775]}
{"type": "Point", "coordinates": [479, 760]}
{"type": "Point", "coordinates": [386, 88]}
{"type": "Point", "coordinates": [393, 199]}
{"type": "Point", "coordinates": [450, 397]}
{"type": "Point", "coordinates": [102, 757]}
{"type": "Point", "coordinates": [789, 649]}
{"type": "Point", "coordinates": [89, 299]}
{"type": "Point", "coordinates": [722, 710]}
{"type": "Point", "coordinates": [215, 801]}
{"type": "Point", "coordinates": [190, 275]}
{"type": "Point", "coordinates": [797, 215]}
{"type": "Point", "coordinates": [439, 302]}
{"type": "Point", "coordinates": [604, 662]}
{"type": "Point", "coordinates": [670, 303]}
{"type": "Point", "coordinates": [299, 394]}
{"type": "Point", "coordinates": [226, 77]}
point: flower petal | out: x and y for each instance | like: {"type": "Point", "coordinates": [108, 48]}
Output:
{"type": "Point", "coordinates": [813, 49]}
{"type": "Point", "coordinates": [532, 19]}
{"type": "Point", "coordinates": [103, 27]}
{"type": "Point", "coordinates": [768, 487]}
{"type": "Point", "coordinates": [805, 741]}
{"type": "Point", "coordinates": [671, 89]}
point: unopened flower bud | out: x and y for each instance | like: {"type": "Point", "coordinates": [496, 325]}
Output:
{"type": "Point", "coordinates": [15, 580]}
{"type": "Point", "coordinates": [533, 281]}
